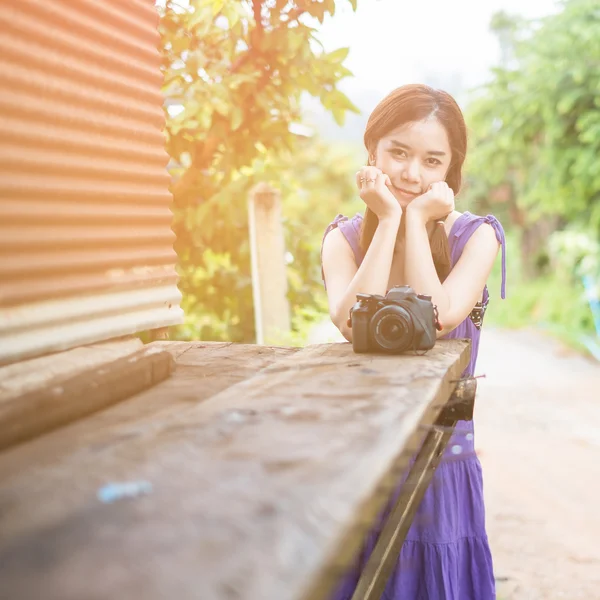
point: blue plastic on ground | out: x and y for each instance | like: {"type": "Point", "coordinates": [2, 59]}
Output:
{"type": "Point", "coordinates": [126, 489]}
{"type": "Point", "coordinates": [592, 294]}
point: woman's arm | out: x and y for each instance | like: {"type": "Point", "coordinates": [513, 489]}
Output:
{"type": "Point", "coordinates": [344, 279]}
{"type": "Point", "coordinates": [462, 289]}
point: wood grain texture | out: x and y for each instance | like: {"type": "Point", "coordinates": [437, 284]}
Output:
{"type": "Point", "coordinates": [206, 369]}
{"type": "Point", "coordinates": [263, 489]}
{"type": "Point", "coordinates": [28, 375]}
{"type": "Point", "coordinates": [66, 398]}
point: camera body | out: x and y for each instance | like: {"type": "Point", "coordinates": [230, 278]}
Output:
{"type": "Point", "coordinates": [399, 321]}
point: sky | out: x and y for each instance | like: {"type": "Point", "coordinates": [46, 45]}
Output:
{"type": "Point", "coordinates": [444, 43]}
{"type": "Point", "coordinates": [396, 41]}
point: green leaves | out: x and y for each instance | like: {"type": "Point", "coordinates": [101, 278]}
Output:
{"type": "Point", "coordinates": [237, 116]}
{"type": "Point", "coordinates": [537, 124]}
{"type": "Point", "coordinates": [233, 87]}
{"type": "Point", "coordinates": [238, 83]}
{"type": "Point", "coordinates": [338, 103]}
{"type": "Point", "coordinates": [217, 6]}
{"type": "Point", "coordinates": [318, 9]}
{"type": "Point", "coordinates": [339, 55]}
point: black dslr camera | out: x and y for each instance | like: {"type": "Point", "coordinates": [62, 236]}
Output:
{"type": "Point", "coordinates": [402, 320]}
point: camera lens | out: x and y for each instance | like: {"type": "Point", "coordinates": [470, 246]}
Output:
{"type": "Point", "coordinates": [392, 328]}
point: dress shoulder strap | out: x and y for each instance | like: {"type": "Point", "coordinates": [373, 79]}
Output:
{"type": "Point", "coordinates": [465, 227]}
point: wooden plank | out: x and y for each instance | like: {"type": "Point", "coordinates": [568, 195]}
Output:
{"type": "Point", "coordinates": [264, 490]}
{"type": "Point", "coordinates": [22, 383]}
{"type": "Point", "coordinates": [28, 375]}
{"type": "Point", "coordinates": [267, 259]}
{"type": "Point", "coordinates": [206, 369]}
{"type": "Point", "coordinates": [63, 400]}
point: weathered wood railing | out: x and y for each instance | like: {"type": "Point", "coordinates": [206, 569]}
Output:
{"type": "Point", "coordinates": [259, 471]}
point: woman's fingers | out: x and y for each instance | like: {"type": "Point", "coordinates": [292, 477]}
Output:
{"type": "Point", "coordinates": [373, 185]}
{"type": "Point", "coordinates": [381, 182]}
{"type": "Point", "coordinates": [366, 177]}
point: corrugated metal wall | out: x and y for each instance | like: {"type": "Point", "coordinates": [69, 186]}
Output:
{"type": "Point", "coordinates": [85, 225]}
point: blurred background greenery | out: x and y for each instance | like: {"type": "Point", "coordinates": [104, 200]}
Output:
{"type": "Point", "coordinates": [239, 76]}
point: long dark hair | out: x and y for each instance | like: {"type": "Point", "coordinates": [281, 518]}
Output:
{"type": "Point", "coordinates": [408, 104]}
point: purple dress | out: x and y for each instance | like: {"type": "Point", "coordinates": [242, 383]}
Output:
{"type": "Point", "coordinates": [446, 555]}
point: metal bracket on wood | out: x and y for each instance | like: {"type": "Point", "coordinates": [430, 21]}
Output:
{"type": "Point", "coordinates": [383, 559]}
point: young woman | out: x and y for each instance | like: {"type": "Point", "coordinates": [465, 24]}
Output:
{"type": "Point", "coordinates": [411, 234]}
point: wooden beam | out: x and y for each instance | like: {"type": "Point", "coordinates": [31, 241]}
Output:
{"type": "Point", "coordinates": [269, 277]}
{"type": "Point", "coordinates": [28, 375]}
{"type": "Point", "coordinates": [66, 398]}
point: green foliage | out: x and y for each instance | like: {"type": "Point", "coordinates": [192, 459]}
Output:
{"type": "Point", "coordinates": [317, 183]}
{"type": "Point", "coordinates": [236, 70]}
{"type": "Point", "coordinates": [533, 161]}
{"type": "Point", "coordinates": [575, 252]}
{"type": "Point", "coordinates": [555, 302]}
{"type": "Point", "coordinates": [536, 125]}
{"type": "Point", "coordinates": [314, 184]}
{"type": "Point", "coordinates": [546, 303]}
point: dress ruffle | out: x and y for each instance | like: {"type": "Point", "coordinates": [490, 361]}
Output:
{"type": "Point", "coordinates": [459, 570]}
{"type": "Point", "coordinates": [446, 555]}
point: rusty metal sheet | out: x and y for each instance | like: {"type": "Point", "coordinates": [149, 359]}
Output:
{"type": "Point", "coordinates": [86, 246]}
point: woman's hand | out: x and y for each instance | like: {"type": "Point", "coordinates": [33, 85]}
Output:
{"type": "Point", "coordinates": [435, 204]}
{"type": "Point", "coordinates": [373, 185]}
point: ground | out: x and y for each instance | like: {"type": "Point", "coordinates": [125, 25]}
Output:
{"type": "Point", "coordinates": [537, 428]}
{"type": "Point", "coordinates": [538, 437]}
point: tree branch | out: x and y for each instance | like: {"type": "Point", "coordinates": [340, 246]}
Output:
{"type": "Point", "coordinates": [257, 10]}
{"type": "Point", "coordinates": [203, 150]}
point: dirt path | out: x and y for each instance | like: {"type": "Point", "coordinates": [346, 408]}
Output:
{"type": "Point", "coordinates": [538, 437]}
{"type": "Point", "coordinates": [537, 427]}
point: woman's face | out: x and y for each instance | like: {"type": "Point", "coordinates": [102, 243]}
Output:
{"type": "Point", "coordinates": [414, 156]}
